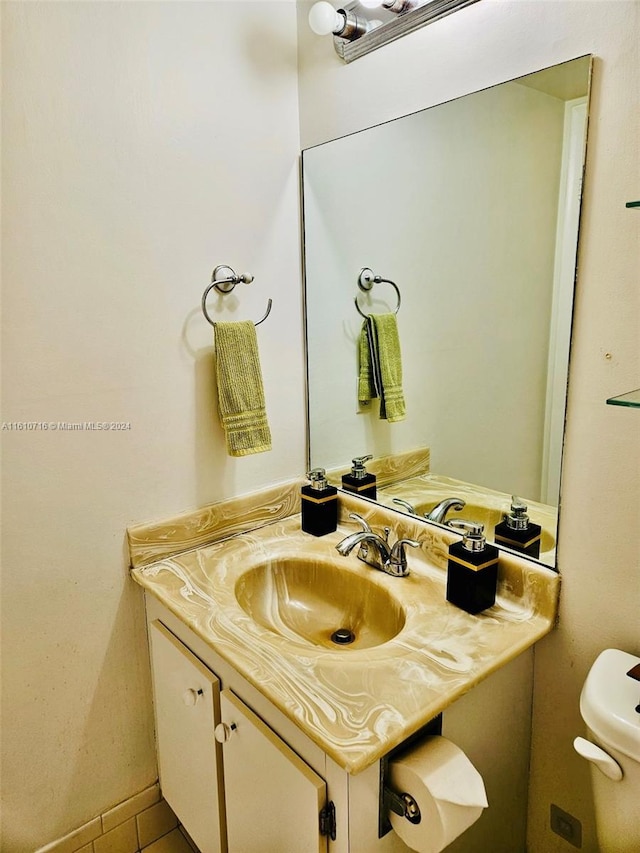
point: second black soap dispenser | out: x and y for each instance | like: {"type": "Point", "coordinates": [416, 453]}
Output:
{"type": "Point", "coordinates": [360, 481]}
{"type": "Point", "coordinates": [517, 531]}
{"type": "Point", "coordinates": [472, 570]}
{"type": "Point", "coordinates": [319, 504]}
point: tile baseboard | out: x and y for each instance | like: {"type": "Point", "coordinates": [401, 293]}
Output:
{"type": "Point", "coordinates": [119, 828]}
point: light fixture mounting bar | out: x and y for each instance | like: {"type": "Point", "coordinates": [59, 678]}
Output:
{"type": "Point", "coordinates": [395, 28]}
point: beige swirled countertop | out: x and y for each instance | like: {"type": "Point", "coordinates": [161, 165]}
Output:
{"type": "Point", "coordinates": [356, 703]}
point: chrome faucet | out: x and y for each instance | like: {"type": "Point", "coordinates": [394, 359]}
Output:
{"type": "Point", "coordinates": [440, 510]}
{"type": "Point", "coordinates": [375, 551]}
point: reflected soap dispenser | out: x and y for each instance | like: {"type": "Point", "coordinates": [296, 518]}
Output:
{"type": "Point", "coordinates": [360, 481]}
{"type": "Point", "coordinates": [472, 569]}
{"type": "Point", "coordinates": [517, 531]}
{"type": "Point", "coordinates": [319, 504]}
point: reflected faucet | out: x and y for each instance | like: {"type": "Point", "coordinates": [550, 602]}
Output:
{"type": "Point", "coordinates": [440, 510]}
{"type": "Point", "coordinates": [374, 549]}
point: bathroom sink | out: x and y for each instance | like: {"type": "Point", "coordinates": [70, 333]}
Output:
{"type": "Point", "coordinates": [266, 602]}
{"type": "Point", "coordinates": [487, 516]}
{"type": "Point", "coordinates": [320, 603]}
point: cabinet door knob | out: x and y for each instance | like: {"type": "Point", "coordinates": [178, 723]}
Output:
{"type": "Point", "coordinates": [223, 732]}
{"type": "Point", "coordinates": [191, 696]}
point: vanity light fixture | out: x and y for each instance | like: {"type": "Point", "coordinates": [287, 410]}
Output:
{"type": "Point", "coordinates": [355, 33]}
{"type": "Point", "coordinates": [325, 20]}
{"type": "Point", "coordinates": [396, 6]}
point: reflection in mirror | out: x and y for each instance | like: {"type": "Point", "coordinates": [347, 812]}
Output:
{"type": "Point", "coordinates": [471, 208]}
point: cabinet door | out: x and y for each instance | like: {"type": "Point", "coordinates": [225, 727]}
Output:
{"type": "Point", "coordinates": [187, 708]}
{"type": "Point", "coordinates": [273, 798]}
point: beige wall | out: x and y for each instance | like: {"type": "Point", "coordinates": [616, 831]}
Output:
{"type": "Point", "coordinates": [143, 143]}
{"type": "Point", "coordinates": [598, 549]}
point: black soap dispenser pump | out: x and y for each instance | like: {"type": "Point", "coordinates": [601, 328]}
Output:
{"type": "Point", "coordinates": [319, 504]}
{"type": "Point", "coordinates": [360, 481]}
{"type": "Point", "coordinates": [517, 531]}
{"type": "Point", "coordinates": [472, 569]}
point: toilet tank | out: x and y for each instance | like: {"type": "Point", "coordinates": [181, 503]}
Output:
{"type": "Point", "coordinates": [610, 701]}
{"type": "Point", "coordinates": [610, 707]}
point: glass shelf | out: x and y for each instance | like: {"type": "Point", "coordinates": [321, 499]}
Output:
{"type": "Point", "coordinates": [632, 400]}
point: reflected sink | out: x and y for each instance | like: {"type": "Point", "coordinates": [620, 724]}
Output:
{"type": "Point", "coordinates": [311, 600]}
{"type": "Point", "coordinates": [487, 516]}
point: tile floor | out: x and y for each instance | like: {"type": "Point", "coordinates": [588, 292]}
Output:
{"type": "Point", "coordinates": [173, 842]}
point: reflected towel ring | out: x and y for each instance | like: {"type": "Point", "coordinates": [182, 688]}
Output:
{"type": "Point", "coordinates": [224, 279]}
{"type": "Point", "coordinates": [366, 280]}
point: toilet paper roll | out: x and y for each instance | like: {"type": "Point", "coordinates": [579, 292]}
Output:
{"type": "Point", "coordinates": [447, 788]}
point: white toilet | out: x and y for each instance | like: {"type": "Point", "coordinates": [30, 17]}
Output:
{"type": "Point", "coordinates": [610, 706]}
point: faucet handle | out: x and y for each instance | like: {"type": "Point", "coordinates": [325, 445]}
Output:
{"type": "Point", "coordinates": [363, 521]}
{"type": "Point", "coordinates": [399, 545]}
{"type": "Point", "coordinates": [398, 559]}
{"type": "Point", "coordinates": [405, 505]}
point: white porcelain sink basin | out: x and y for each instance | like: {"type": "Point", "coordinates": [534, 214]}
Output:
{"type": "Point", "coordinates": [320, 603]}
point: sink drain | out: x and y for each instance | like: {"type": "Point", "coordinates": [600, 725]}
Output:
{"type": "Point", "coordinates": [343, 636]}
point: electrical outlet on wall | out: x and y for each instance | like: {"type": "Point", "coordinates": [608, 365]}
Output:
{"type": "Point", "coordinates": [566, 825]}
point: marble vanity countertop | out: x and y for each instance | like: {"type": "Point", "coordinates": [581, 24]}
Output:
{"type": "Point", "coordinates": [356, 704]}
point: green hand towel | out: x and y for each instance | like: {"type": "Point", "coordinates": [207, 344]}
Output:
{"type": "Point", "coordinates": [380, 371]}
{"type": "Point", "coordinates": [240, 392]}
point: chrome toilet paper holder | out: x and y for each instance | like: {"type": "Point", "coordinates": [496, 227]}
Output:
{"type": "Point", "coordinates": [401, 804]}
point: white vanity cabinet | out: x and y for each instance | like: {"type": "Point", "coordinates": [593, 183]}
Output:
{"type": "Point", "coordinates": [276, 781]}
{"type": "Point", "coordinates": [187, 709]}
{"type": "Point", "coordinates": [273, 798]}
{"type": "Point", "coordinates": [232, 782]}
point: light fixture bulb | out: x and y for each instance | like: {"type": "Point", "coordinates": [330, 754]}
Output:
{"type": "Point", "coordinates": [370, 4]}
{"type": "Point", "coordinates": [324, 19]}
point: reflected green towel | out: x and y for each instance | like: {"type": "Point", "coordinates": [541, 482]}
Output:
{"type": "Point", "coordinates": [380, 366]}
{"type": "Point", "coordinates": [240, 391]}
{"type": "Point", "coordinates": [367, 390]}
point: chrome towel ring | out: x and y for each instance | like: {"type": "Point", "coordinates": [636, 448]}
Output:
{"type": "Point", "coordinates": [224, 279]}
{"type": "Point", "coordinates": [366, 280]}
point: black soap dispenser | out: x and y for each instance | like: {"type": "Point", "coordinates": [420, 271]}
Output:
{"type": "Point", "coordinates": [319, 504]}
{"type": "Point", "coordinates": [360, 481]}
{"type": "Point", "coordinates": [472, 570]}
{"type": "Point", "coordinates": [517, 531]}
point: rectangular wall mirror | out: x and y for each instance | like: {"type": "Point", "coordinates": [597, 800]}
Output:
{"type": "Point", "coordinates": [472, 208]}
